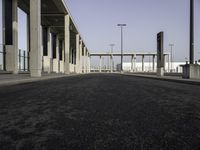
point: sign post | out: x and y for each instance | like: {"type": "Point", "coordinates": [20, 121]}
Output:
{"type": "Point", "coordinates": [160, 56]}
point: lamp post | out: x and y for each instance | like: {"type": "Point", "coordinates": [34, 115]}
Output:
{"type": "Point", "coordinates": [171, 45]}
{"type": "Point", "coordinates": [191, 31]}
{"type": "Point", "coordinates": [121, 26]}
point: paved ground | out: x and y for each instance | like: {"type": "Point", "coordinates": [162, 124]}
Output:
{"type": "Point", "coordinates": [11, 79]}
{"type": "Point", "coordinates": [100, 112]}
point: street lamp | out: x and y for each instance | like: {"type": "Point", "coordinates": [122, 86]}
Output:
{"type": "Point", "coordinates": [191, 31]}
{"type": "Point", "coordinates": [121, 25]}
{"type": "Point", "coordinates": [171, 45]}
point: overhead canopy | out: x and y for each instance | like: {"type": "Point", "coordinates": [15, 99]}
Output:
{"type": "Point", "coordinates": [52, 15]}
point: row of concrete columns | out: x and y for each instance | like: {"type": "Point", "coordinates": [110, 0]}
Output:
{"type": "Point", "coordinates": [38, 62]}
{"type": "Point", "coordinates": [133, 63]}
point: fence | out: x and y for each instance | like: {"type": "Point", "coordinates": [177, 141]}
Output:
{"type": "Point", "coordinates": [2, 57]}
{"type": "Point", "coordinates": [23, 60]}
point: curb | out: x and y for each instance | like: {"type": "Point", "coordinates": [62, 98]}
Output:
{"type": "Point", "coordinates": [32, 80]}
{"type": "Point", "coordinates": [185, 81]}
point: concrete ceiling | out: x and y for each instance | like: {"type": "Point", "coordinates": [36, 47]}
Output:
{"type": "Point", "coordinates": [52, 15]}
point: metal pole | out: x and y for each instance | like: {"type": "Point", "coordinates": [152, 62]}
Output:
{"type": "Point", "coordinates": [3, 35]}
{"type": "Point", "coordinates": [191, 31]}
{"type": "Point", "coordinates": [121, 25]}
{"type": "Point", "coordinates": [121, 49]}
{"type": "Point", "coordinates": [24, 61]}
{"type": "Point", "coordinates": [19, 60]}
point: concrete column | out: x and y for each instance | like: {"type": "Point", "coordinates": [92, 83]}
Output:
{"type": "Point", "coordinates": [132, 63]}
{"type": "Point", "coordinates": [111, 63]}
{"type": "Point", "coordinates": [67, 44]}
{"type": "Point", "coordinates": [89, 64]}
{"type": "Point", "coordinates": [28, 39]}
{"type": "Point", "coordinates": [80, 56]}
{"type": "Point", "coordinates": [57, 54]}
{"type": "Point", "coordinates": [135, 62]}
{"type": "Point", "coordinates": [153, 61]}
{"type": "Point", "coordinates": [46, 59]}
{"type": "Point", "coordinates": [84, 61]}
{"type": "Point", "coordinates": [77, 53]}
{"type": "Point", "coordinates": [49, 48]}
{"type": "Point", "coordinates": [100, 63]}
{"type": "Point", "coordinates": [63, 57]}
{"type": "Point", "coordinates": [142, 63]}
{"type": "Point", "coordinates": [168, 63]}
{"type": "Point", "coordinates": [164, 59]}
{"type": "Point", "coordinates": [12, 41]}
{"type": "Point", "coordinates": [35, 38]}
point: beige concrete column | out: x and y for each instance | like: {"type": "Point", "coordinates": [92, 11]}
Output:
{"type": "Point", "coordinates": [49, 45]}
{"type": "Point", "coordinates": [77, 53]}
{"type": "Point", "coordinates": [111, 63]}
{"type": "Point", "coordinates": [135, 59]}
{"type": "Point", "coordinates": [89, 63]}
{"type": "Point", "coordinates": [100, 63]}
{"type": "Point", "coordinates": [142, 63]}
{"type": "Point", "coordinates": [84, 60]}
{"type": "Point", "coordinates": [67, 44]}
{"type": "Point", "coordinates": [80, 56]}
{"type": "Point", "coordinates": [57, 64]}
{"type": "Point", "coordinates": [168, 63]}
{"type": "Point", "coordinates": [12, 50]}
{"type": "Point", "coordinates": [132, 63]}
{"type": "Point", "coordinates": [62, 61]}
{"type": "Point", "coordinates": [153, 61]}
{"type": "Point", "coordinates": [164, 59]}
{"type": "Point", "coordinates": [47, 59]}
{"type": "Point", "coordinates": [35, 38]}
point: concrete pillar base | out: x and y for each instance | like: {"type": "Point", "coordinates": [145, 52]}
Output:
{"type": "Point", "coordinates": [160, 71]}
{"type": "Point", "coordinates": [55, 65]}
{"type": "Point", "coordinates": [47, 64]}
{"type": "Point", "coordinates": [36, 73]}
{"type": "Point", "coordinates": [61, 66]}
{"type": "Point", "coordinates": [11, 59]}
{"type": "Point", "coordinates": [191, 71]}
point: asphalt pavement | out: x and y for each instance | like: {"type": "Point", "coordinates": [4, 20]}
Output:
{"type": "Point", "coordinates": [100, 112]}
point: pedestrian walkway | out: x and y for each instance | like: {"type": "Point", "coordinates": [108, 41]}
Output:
{"type": "Point", "coordinates": [11, 79]}
{"type": "Point", "coordinates": [172, 78]}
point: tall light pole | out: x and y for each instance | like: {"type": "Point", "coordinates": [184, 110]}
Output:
{"type": "Point", "coordinates": [191, 31]}
{"type": "Point", "coordinates": [121, 25]}
{"type": "Point", "coordinates": [171, 45]}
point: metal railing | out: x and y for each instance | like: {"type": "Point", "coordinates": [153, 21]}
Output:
{"type": "Point", "coordinates": [2, 57]}
{"type": "Point", "coordinates": [23, 60]}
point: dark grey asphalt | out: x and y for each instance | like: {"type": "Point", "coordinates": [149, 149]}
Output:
{"type": "Point", "coordinates": [100, 112]}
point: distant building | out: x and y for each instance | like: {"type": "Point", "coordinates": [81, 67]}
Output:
{"type": "Point", "coordinates": [148, 67]}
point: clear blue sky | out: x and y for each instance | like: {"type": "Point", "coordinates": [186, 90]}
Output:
{"type": "Point", "coordinates": [97, 20]}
